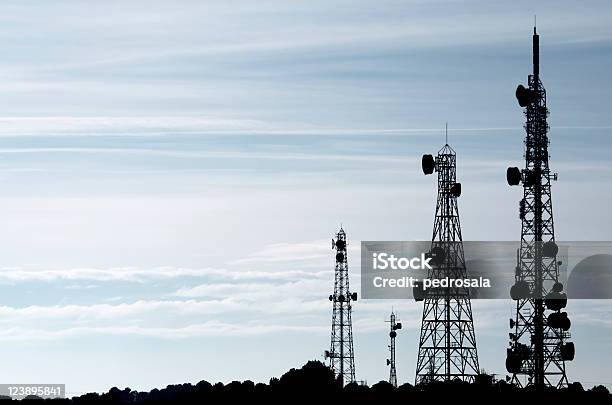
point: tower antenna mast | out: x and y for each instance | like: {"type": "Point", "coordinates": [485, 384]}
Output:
{"type": "Point", "coordinates": [341, 355]}
{"type": "Point", "coordinates": [538, 346]}
{"type": "Point", "coordinates": [447, 345]}
{"type": "Point", "coordinates": [394, 326]}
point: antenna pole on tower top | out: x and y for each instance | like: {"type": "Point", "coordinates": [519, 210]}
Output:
{"type": "Point", "coordinates": [446, 133]}
{"type": "Point", "coordinates": [536, 54]}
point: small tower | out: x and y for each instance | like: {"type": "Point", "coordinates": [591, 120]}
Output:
{"type": "Point", "coordinates": [538, 341]}
{"type": "Point", "coordinates": [395, 326]}
{"type": "Point", "coordinates": [341, 356]}
{"type": "Point", "coordinates": [447, 346]}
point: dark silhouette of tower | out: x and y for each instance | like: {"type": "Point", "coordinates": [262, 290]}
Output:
{"type": "Point", "coordinates": [538, 347]}
{"type": "Point", "coordinates": [340, 354]}
{"type": "Point", "coordinates": [395, 326]}
{"type": "Point", "coordinates": [447, 346]}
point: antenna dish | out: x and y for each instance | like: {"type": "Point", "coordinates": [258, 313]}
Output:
{"type": "Point", "coordinates": [428, 164]}
{"type": "Point", "coordinates": [520, 290]}
{"type": "Point", "coordinates": [417, 291]}
{"type": "Point", "coordinates": [456, 190]}
{"type": "Point", "coordinates": [340, 257]}
{"type": "Point", "coordinates": [513, 363]}
{"type": "Point", "coordinates": [556, 301]}
{"type": "Point", "coordinates": [525, 96]}
{"type": "Point", "coordinates": [550, 249]}
{"type": "Point", "coordinates": [522, 351]}
{"type": "Point", "coordinates": [568, 351]}
{"type": "Point", "coordinates": [559, 320]}
{"type": "Point", "coordinates": [513, 176]}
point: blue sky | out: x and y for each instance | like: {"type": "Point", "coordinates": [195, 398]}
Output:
{"type": "Point", "coordinates": [171, 174]}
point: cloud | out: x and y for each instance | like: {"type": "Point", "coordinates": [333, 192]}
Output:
{"type": "Point", "coordinates": [247, 313]}
{"type": "Point", "coordinates": [183, 154]}
{"type": "Point", "coordinates": [125, 126]}
{"type": "Point", "coordinates": [142, 275]}
{"type": "Point", "coordinates": [158, 125]}
{"type": "Point", "coordinates": [207, 329]}
{"type": "Point", "coordinates": [127, 274]}
{"type": "Point", "coordinates": [288, 252]}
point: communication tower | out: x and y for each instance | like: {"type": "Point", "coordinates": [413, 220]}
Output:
{"type": "Point", "coordinates": [340, 354]}
{"type": "Point", "coordinates": [538, 342]}
{"type": "Point", "coordinates": [447, 345]}
{"type": "Point", "coordinates": [395, 326]}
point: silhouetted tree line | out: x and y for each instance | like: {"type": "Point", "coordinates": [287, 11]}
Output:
{"type": "Point", "coordinates": [315, 383]}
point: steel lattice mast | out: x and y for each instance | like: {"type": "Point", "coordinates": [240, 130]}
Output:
{"type": "Point", "coordinates": [395, 326]}
{"type": "Point", "coordinates": [340, 354]}
{"type": "Point", "coordinates": [537, 344]}
{"type": "Point", "coordinates": [447, 346]}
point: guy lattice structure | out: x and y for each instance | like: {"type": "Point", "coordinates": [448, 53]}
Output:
{"type": "Point", "coordinates": [538, 342]}
{"type": "Point", "coordinates": [340, 354]}
{"type": "Point", "coordinates": [395, 326]}
{"type": "Point", "coordinates": [447, 346]}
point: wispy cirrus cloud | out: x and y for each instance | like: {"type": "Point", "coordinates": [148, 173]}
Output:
{"type": "Point", "coordinates": [284, 252]}
{"type": "Point", "coordinates": [200, 330]}
{"type": "Point", "coordinates": [143, 275]}
{"type": "Point", "coordinates": [157, 125]}
{"type": "Point", "coordinates": [128, 274]}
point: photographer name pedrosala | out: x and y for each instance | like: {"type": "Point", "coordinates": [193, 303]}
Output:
{"type": "Point", "coordinates": [447, 282]}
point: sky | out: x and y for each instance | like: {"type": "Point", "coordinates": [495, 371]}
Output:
{"type": "Point", "coordinates": [171, 174]}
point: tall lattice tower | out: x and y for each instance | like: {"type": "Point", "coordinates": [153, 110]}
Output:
{"type": "Point", "coordinates": [538, 347]}
{"type": "Point", "coordinates": [340, 354]}
{"type": "Point", "coordinates": [447, 347]}
{"type": "Point", "coordinates": [395, 326]}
